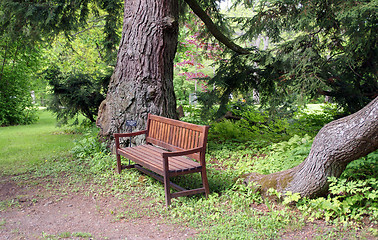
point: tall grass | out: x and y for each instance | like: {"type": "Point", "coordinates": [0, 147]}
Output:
{"type": "Point", "coordinates": [23, 146]}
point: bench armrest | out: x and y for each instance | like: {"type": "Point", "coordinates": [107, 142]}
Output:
{"type": "Point", "coordinates": [182, 153]}
{"type": "Point", "coordinates": [118, 135]}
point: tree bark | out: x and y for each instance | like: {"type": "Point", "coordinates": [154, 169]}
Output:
{"type": "Point", "coordinates": [142, 81]}
{"type": "Point", "coordinates": [337, 144]}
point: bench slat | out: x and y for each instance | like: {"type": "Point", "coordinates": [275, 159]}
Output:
{"type": "Point", "coordinates": [177, 123]}
{"type": "Point", "coordinates": [195, 156]}
{"type": "Point", "coordinates": [186, 162]}
{"type": "Point", "coordinates": [150, 157]}
{"type": "Point", "coordinates": [175, 163]}
{"type": "Point", "coordinates": [135, 157]}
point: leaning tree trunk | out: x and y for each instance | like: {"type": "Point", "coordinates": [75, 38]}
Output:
{"type": "Point", "coordinates": [337, 144]}
{"type": "Point", "coordinates": [142, 81]}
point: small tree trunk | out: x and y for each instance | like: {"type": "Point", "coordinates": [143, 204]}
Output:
{"type": "Point", "coordinates": [337, 144]}
{"type": "Point", "coordinates": [142, 81]}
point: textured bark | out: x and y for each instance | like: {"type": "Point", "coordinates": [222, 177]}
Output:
{"type": "Point", "coordinates": [337, 144]}
{"type": "Point", "coordinates": [142, 81]}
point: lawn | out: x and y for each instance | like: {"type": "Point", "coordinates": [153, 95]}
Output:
{"type": "Point", "coordinates": [27, 145]}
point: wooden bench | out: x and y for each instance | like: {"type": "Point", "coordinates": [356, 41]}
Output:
{"type": "Point", "coordinates": [172, 148]}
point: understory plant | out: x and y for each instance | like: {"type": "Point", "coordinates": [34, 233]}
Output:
{"type": "Point", "coordinates": [93, 153]}
{"type": "Point", "coordinates": [284, 155]}
{"type": "Point", "coordinates": [353, 196]}
{"type": "Point", "coordinates": [259, 127]}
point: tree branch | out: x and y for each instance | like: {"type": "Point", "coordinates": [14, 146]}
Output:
{"type": "Point", "coordinates": [214, 29]}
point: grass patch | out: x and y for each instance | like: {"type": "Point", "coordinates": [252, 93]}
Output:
{"type": "Point", "coordinates": [27, 145]}
{"type": "Point", "coordinates": [67, 235]}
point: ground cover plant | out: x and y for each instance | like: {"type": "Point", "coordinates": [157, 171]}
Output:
{"type": "Point", "coordinates": [232, 211]}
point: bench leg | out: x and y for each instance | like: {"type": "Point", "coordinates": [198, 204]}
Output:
{"type": "Point", "coordinates": [205, 182]}
{"type": "Point", "coordinates": [167, 189]}
{"type": "Point", "coordinates": [119, 166]}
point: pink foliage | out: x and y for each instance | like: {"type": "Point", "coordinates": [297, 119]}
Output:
{"type": "Point", "coordinates": [193, 75]}
{"type": "Point", "coordinates": [198, 49]}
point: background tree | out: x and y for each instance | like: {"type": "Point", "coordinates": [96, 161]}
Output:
{"type": "Point", "coordinates": [74, 93]}
{"type": "Point", "coordinates": [78, 73]}
{"type": "Point", "coordinates": [318, 48]}
{"type": "Point", "coordinates": [194, 58]}
{"type": "Point", "coordinates": [17, 70]}
{"type": "Point", "coordinates": [26, 27]}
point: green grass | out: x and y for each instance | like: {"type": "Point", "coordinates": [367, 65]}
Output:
{"type": "Point", "coordinates": [23, 146]}
{"type": "Point", "coordinates": [315, 107]}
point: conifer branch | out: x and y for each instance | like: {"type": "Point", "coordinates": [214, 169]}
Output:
{"type": "Point", "coordinates": [214, 29]}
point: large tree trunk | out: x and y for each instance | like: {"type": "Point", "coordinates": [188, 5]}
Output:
{"type": "Point", "coordinates": [142, 81]}
{"type": "Point", "coordinates": [337, 144]}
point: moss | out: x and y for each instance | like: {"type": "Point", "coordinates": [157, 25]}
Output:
{"type": "Point", "coordinates": [278, 181]}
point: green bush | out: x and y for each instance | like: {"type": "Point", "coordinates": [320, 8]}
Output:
{"type": "Point", "coordinates": [76, 93]}
{"type": "Point", "coordinates": [16, 74]}
{"type": "Point", "coordinates": [363, 168]}
{"type": "Point", "coordinates": [16, 108]}
{"type": "Point", "coordinates": [192, 115]}
{"type": "Point", "coordinates": [89, 150]}
{"type": "Point", "coordinates": [229, 130]}
{"type": "Point", "coordinates": [255, 124]}
{"type": "Point", "coordinates": [88, 146]}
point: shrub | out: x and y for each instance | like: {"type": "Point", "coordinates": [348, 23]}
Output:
{"type": "Point", "coordinates": [74, 93]}
{"type": "Point", "coordinates": [17, 72]}
{"type": "Point", "coordinates": [363, 168]}
{"type": "Point", "coordinates": [229, 130]}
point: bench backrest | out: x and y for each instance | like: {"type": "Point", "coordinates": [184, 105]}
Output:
{"type": "Point", "coordinates": [176, 135]}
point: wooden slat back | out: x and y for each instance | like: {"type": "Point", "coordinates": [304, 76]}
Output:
{"type": "Point", "coordinates": [175, 135]}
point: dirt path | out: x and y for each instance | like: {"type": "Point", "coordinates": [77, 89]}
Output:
{"type": "Point", "coordinates": [38, 210]}
{"type": "Point", "coordinates": [30, 213]}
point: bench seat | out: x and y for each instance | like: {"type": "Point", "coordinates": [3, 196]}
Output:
{"type": "Point", "coordinates": [150, 157]}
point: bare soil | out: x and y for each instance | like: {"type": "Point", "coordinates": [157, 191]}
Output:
{"type": "Point", "coordinates": [41, 210]}
{"type": "Point", "coordinates": [32, 212]}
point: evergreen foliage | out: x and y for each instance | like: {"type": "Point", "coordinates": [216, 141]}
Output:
{"type": "Point", "coordinates": [75, 93]}
{"type": "Point", "coordinates": [43, 19]}
{"type": "Point", "coordinates": [319, 47]}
